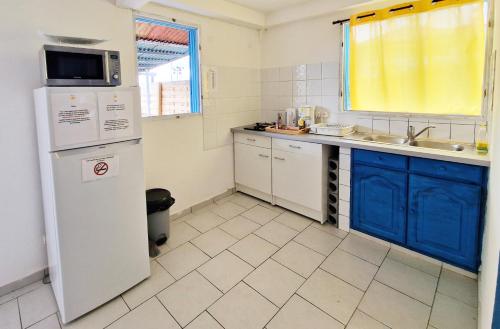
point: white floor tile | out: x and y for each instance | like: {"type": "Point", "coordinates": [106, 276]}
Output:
{"type": "Point", "coordinates": [260, 214]}
{"type": "Point", "coordinates": [459, 287]}
{"type": "Point", "coordinates": [100, 317]}
{"type": "Point", "coordinates": [274, 281]}
{"type": "Point", "coordinates": [244, 200]}
{"type": "Point", "coordinates": [204, 321]}
{"type": "Point", "coordinates": [180, 233]}
{"type": "Point", "coordinates": [182, 260]}
{"type": "Point", "coordinates": [150, 315]}
{"type": "Point", "coordinates": [239, 227]}
{"type": "Point", "coordinates": [9, 315]}
{"type": "Point", "coordinates": [204, 221]}
{"type": "Point", "coordinates": [394, 309]}
{"type": "Point", "coordinates": [362, 321]}
{"type": "Point", "coordinates": [189, 297]}
{"type": "Point", "coordinates": [52, 322]}
{"type": "Point", "coordinates": [294, 221]}
{"type": "Point", "coordinates": [329, 228]}
{"type": "Point", "coordinates": [350, 268]}
{"type": "Point", "coordinates": [228, 210]}
{"type": "Point", "coordinates": [298, 258]}
{"type": "Point", "coordinates": [368, 250]}
{"type": "Point", "coordinates": [159, 280]}
{"type": "Point", "coordinates": [318, 240]}
{"type": "Point", "coordinates": [415, 262]}
{"type": "Point", "coordinates": [37, 305]}
{"type": "Point", "coordinates": [332, 295]}
{"type": "Point", "coordinates": [253, 249]}
{"type": "Point", "coordinates": [278, 209]}
{"type": "Point", "coordinates": [406, 279]}
{"type": "Point", "coordinates": [300, 314]}
{"type": "Point", "coordinates": [16, 293]}
{"type": "Point", "coordinates": [225, 270]}
{"type": "Point", "coordinates": [214, 241]}
{"type": "Point", "coordinates": [276, 233]}
{"type": "Point", "coordinates": [242, 308]}
{"type": "Point", "coordinates": [449, 313]}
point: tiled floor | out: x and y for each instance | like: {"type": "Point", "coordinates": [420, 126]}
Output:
{"type": "Point", "coordinates": [243, 264]}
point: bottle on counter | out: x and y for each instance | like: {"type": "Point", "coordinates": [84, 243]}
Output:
{"type": "Point", "coordinates": [482, 139]}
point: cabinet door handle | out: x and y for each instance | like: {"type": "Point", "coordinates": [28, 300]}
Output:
{"type": "Point", "coordinates": [264, 156]}
{"type": "Point", "coordinates": [295, 146]}
{"type": "Point", "coordinates": [251, 139]}
{"type": "Point", "coordinates": [281, 159]}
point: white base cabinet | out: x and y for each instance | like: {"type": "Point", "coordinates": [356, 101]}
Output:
{"type": "Point", "coordinates": [290, 174]}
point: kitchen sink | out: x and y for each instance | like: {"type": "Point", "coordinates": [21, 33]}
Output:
{"type": "Point", "coordinates": [399, 140]}
{"type": "Point", "coordinates": [447, 146]}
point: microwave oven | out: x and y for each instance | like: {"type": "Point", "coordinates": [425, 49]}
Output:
{"type": "Point", "coordinates": [72, 66]}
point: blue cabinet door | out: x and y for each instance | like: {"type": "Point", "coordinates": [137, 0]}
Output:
{"type": "Point", "coordinates": [443, 219]}
{"type": "Point", "coordinates": [379, 202]}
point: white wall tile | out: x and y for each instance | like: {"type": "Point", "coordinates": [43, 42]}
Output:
{"type": "Point", "coordinates": [330, 87]}
{"type": "Point", "coordinates": [442, 130]}
{"type": "Point", "coordinates": [270, 74]}
{"type": "Point", "coordinates": [364, 124]}
{"type": "Point", "coordinates": [299, 101]}
{"type": "Point", "coordinates": [299, 88]}
{"type": "Point", "coordinates": [344, 223]}
{"type": "Point", "coordinates": [284, 102]}
{"type": "Point", "coordinates": [462, 133]}
{"type": "Point", "coordinates": [345, 177]}
{"type": "Point", "coordinates": [331, 104]}
{"type": "Point", "coordinates": [330, 70]}
{"type": "Point", "coordinates": [397, 127]}
{"type": "Point", "coordinates": [314, 100]}
{"type": "Point", "coordinates": [285, 88]}
{"type": "Point", "coordinates": [344, 193]}
{"type": "Point", "coordinates": [314, 87]}
{"type": "Point", "coordinates": [380, 126]}
{"type": "Point", "coordinates": [270, 88]}
{"type": "Point", "coordinates": [344, 207]}
{"type": "Point", "coordinates": [313, 71]}
{"type": "Point", "coordinates": [344, 150]}
{"type": "Point", "coordinates": [345, 161]}
{"type": "Point", "coordinates": [285, 73]}
{"type": "Point", "coordinates": [299, 72]}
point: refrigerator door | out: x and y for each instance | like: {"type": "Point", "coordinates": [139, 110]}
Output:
{"type": "Point", "coordinates": [74, 117]}
{"type": "Point", "coordinates": [101, 225]}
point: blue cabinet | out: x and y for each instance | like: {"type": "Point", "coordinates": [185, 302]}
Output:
{"type": "Point", "coordinates": [443, 219]}
{"type": "Point", "coordinates": [380, 199]}
{"type": "Point", "coordinates": [431, 206]}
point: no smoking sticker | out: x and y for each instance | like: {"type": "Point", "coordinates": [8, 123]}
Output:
{"type": "Point", "coordinates": [100, 168]}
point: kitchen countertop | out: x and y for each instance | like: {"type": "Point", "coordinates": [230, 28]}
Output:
{"type": "Point", "coordinates": [467, 156]}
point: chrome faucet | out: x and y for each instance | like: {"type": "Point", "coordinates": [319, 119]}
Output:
{"type": "Point", "coordinates": [411, 132]}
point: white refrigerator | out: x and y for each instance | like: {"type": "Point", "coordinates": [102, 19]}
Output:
{"type": "Point", "coordinates": [91, 164]}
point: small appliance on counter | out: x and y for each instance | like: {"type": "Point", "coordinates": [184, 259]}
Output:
{"type": "Point", "coordinates": [259, 126]}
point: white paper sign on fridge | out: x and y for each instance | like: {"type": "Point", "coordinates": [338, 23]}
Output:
{"type": "Point", "coordinates": [116, 114]}
{"type": "Point", "coordinates": [74, 118]}
{"type": "Point", "coordinates": [101, 167]}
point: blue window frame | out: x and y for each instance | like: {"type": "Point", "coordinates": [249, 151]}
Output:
{"type": "Point", "coordinates": [192, 51]}
{"type": "Point", "coordinates": [345, 67]}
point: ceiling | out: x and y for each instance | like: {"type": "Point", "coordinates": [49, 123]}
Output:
{"type": "Point", "coordinates": [268, 6]}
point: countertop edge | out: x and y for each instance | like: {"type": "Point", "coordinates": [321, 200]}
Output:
{"type": "Point", "coordinates": [466, 158]}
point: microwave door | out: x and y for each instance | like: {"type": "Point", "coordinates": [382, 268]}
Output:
{"type": "Point", "coordinates": [74, 69]}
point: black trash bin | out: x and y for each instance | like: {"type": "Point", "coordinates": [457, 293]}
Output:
{"type": "Point", "coordinates": [158, 202]}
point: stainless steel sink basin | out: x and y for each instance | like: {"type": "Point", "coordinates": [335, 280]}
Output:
{"type": "Point", "coordinates": [438, 145]}
{"type": "Point", "coordinates": [386, 139]}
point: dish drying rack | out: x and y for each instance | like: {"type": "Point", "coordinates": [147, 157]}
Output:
{"type": "Point", "coordinates": [337, 129]}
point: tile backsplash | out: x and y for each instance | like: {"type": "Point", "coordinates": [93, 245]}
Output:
{"type": "Point", "coordinates": [319, 84]}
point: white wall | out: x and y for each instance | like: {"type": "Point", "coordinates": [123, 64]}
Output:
{"type": "Point", "coordinates": [491, 241]}
{"type": "Point", "coordinates": [174, 153]}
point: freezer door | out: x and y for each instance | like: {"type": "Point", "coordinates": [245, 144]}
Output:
{"type": "Point", "coordinates": [101, 224]}
{"type": "Point", "coordinates": [75, 117]}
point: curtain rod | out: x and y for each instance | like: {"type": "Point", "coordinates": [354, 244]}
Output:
{"type": "Point", "coordinates": [341, 21]}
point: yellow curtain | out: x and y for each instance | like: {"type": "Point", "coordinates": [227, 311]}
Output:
{"type": "Point", "coordinates": [425, 58]}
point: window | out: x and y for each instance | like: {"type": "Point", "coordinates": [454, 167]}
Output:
{"type": "Point", "coordinates": [424, 57]}
{"type": "Point", "coordinates": [168, 67]}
